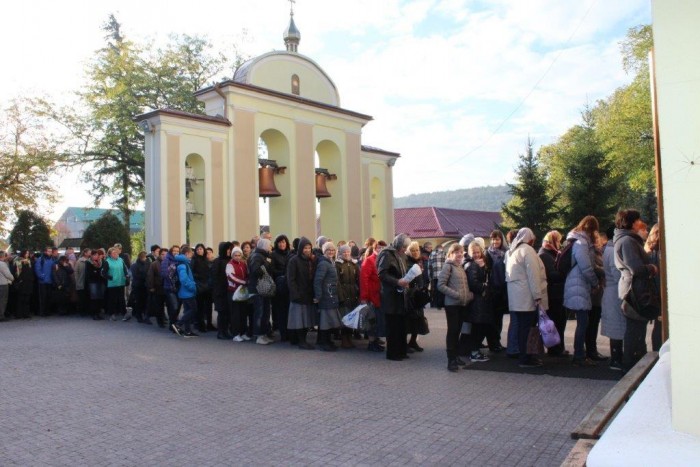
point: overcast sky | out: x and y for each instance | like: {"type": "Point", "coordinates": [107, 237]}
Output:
{"type": "Point", "coordinates": [455, 86]}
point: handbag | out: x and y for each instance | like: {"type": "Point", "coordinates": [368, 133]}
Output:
{"type": "Point", "coordinates": [548, 330]}
{"type": "Point", "coordinates": [422, 326]}
{"type": "Point", "coordinates": [645, 309]}
{"type": "Point", "coordinates": [534, 342]}
{"type": "Point", "coordinates": [266, 285]}
{"type": "Point", "coordinates": [241, 294]}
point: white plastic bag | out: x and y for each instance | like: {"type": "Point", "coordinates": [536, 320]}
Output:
{"type": "Point", "coordinates": [241, 294]}
{"type": "Point", "coordinates": [353, 320]}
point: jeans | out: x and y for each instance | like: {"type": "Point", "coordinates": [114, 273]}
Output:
{"type": "Point", "coordinates": [453, 313]}
{"type": "Point", "coordinates": [189, 314]}
{"type": "Point", "coordinates": [592, 331]}
{"type": "Point", "coordinates": [261, 316]}
{"type": "Point", "coordinates": [172, 303]}
{"type": "Point", "coordinates": [381, 321]}
{"type": "Point", "coordinates": [513, 348]}
{"type": "Point", "coordinates": [580, 335]}
{"type": "Point", "coordinates": [525, 321]}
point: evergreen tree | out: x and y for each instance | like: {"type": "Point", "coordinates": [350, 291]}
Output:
{"type": "Point", "coordinates": [30, 232]}
{"type": "Point", "coordinates": [531, 205]}
{"type": "Point", "coordinates": [105, 232]}
{"type": "Point", "coordinates": [580, 172]}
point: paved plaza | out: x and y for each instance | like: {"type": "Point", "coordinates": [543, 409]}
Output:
{"type": "Point", "coordinates": [82, 392]}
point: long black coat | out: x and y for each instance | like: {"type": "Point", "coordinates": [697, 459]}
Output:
{"type": "Point", "coordinates": [300, 276]}
{"type": "Point", "coordinates": [555, 279]}
{"type": "Point", "coordinates": [481, 308]}
{"type": "Point", "coordinates": [391, 266]}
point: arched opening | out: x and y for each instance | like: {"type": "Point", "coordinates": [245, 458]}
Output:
{"type": "Point", "coordinates": [331, 216]}
{"type": "Point", "coordinates": [376, 203]}
{"type": "Point", "coordinates": [295, 85]}
{"type": "Point", "coordinates": [276, 212]}
{"type": "Point", "coordinates": [195, 199]}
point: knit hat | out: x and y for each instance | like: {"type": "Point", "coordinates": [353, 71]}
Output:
{"type": "Point", "coordinates": [321, 240]}
{"type": "Point", "coordinates": [327, 246]}
{"type": "Point", "coordinates": [343, 249]}
{"type": "Point", "coordinates": [466, 240]}
{"type": "Point", "coordinates": [236, 249]}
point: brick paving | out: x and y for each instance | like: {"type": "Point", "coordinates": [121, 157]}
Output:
{"type": "Point", "coordinates": [79, 392]}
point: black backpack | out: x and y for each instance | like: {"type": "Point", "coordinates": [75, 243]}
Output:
{"type": "Point", "coordinates": [564, 262]}
{"type": "Point", "coordinates": [173, 276]}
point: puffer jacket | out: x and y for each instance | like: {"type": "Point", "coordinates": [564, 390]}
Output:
{"type": "Point", "coordinates": [258, 260]}
{"type": "Point", "coordinates": [481, 308]}
{"type": "Point", "coordinates": [219, 283]}
{"type": "Point", "coordinates": [348, 284]}
{"type": "Point", "coordinates": [188, 286]}
{"type": "Point", "coordinates": [452, 282]}
{"type": "Point", "coordinates": [582, 278]}
{"type": "Point", "coordinates": [526, 279]}
{"type": "Point", "coordinates": [326, 284]}
{"type": "Point", "coordinates": [369, 281]}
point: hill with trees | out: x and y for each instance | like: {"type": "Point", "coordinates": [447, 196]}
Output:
{"type": "Point", "coordinates": [483, 198]}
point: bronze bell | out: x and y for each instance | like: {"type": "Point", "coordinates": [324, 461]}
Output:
{"type": "Point", "coordinates": [321, 189]}
{"type": "Point", "coordinates": [266, 178]}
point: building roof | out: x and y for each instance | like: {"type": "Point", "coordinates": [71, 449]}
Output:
{"type": "Point", "coordinates": [71, 243]}
{"type": "Point", "coordinates": [431, 222]}
{"type": "Point", "coordinates": [182, 114]}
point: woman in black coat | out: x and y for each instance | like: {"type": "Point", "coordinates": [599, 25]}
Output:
{"type": "Point", "coordinates": [96, 283]}
{"type": "Point", "coordinates": [555, 288]}
{"type": "Point", "coordinates": [300, 283]}
{"type": "Point", "coordinates": [280, 302]}
{"type": "Point", "coordinates": [391, 268]}
{"type": "Point", "coordinates": [23, 284]}
{"type": "Point", "coordinates": [201, 272]}
{"type": "Point", "coordinates": [480, 311]}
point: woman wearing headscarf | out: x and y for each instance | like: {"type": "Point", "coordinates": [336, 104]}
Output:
{"type": "Point", "coordinates": [527, 287]}
{"type": "Point", "coordinates": [580, 282]}
{"type": "Point", "coordinates": [348, 290]}
{"type": "Point", "coordinates": [300, 282]}
{"type": "Point", "coordinates": [392, 267]}
{"type": "Point", "coordinates": [555, 288]}
{"type": "Point", "coordinates": [280, 302]}
{"type": "Point", "coordinates": [236, 276]}
{"type": "Point", "coordinates": [636, 275]}
{"type": "Point", "coordinates": [326, 297]}
{"type": "Point", "coordinates": [499, 292]}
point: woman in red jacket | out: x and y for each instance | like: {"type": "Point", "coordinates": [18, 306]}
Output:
{"type": "Point", "coordinates": [369, 294]}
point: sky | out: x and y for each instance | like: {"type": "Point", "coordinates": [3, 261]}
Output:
{"type": "Point", "coordinates": [455, 86]}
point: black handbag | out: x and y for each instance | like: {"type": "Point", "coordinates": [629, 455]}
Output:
{"type": "Point", "coordinates": [644, 308]}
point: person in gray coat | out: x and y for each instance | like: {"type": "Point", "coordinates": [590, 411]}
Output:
{"type": "Point", "coordinates": [452, 282]}
{"type": "Point", "coordinates": [580, 281]}
{"type": "Point", "coordinates": [612, 322]}
{"type": "Point", "coordinates": [636, 273]}
{"type": "Point", "coordinates": [326, 296]}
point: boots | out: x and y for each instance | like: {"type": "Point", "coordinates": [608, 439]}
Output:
{"type": "Point", "coordinates": [324, 341]}
{"type": "Point", "coordinates": [616, 355]}
{"type": "Point", "coordinates": [346, 340]}
{"type": "Point", "coordinates": [452, 365]}
{"type": "Point", "coordinates": [301, 337]}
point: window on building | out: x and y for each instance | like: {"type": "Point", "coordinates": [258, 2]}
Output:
{"type": "Point", "coordinates": [295, 85]}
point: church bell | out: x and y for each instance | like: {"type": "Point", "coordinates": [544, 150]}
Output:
{"type": "Point", "coordinates": [266, 179]}
{"type": "Point", "coordinates": [321, 189]}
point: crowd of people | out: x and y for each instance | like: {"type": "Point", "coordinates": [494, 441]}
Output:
{"type": "Point", "coordinates": [269, 291]}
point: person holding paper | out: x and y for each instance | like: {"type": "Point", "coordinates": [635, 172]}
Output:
{"type": "Point", "coordinates": [392, 267]}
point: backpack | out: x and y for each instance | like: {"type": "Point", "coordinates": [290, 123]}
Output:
{"type": "Point", "coordinates": [564, 261]}
{"type": "Point", "coordinates": [173, 276]}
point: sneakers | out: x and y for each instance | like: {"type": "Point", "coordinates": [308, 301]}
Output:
{"type": "Point", "coordinates": [617, 366]}
{"type": "Point", "coordinates": [245, 337]}
{"type": "Point", "coordinates": [263, 340]}
{"type": "Point", "coordinates": [191, 334]}
{"type": "Point", "coordinates": [176, 329]}
{"type": "Point", "coordinates": [239, 338]}
{"type": "Point", "coordinates": [478, 357]}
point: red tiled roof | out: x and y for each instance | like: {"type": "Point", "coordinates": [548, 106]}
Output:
{"type": "Point", "coordinates": [431, 222]}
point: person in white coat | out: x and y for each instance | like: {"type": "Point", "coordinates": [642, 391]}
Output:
{"type": "Point", "coordinates": [6, 279]}
{"type": "Point", "coordinates": [527, 287]}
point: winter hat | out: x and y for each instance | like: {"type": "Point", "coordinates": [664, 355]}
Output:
{"type": "Point", "coordinates": [343, 249]}
{"type": "Point", "coordinates": [236, 249]}
{"type": "Point", "coordinates": [466, 240]}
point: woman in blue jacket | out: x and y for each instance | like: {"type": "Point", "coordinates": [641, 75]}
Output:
{"type": "Point", "coordinates": [186, 292]}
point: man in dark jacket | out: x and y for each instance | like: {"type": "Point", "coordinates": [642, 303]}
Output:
{"type": "Point", "coordinates": [43, 269]}
{"type": "Point", "coordinates": [156, 294]}
{"type": "Point", "coordinates": [392, 267]}
{"type": "Point", "coordinates": [172, 302]}
{"type": "Point", "coordinates": [219, 291]}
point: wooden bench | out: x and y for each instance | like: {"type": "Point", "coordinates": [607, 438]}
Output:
{"type": "Point", "coordinates": [593, 425]}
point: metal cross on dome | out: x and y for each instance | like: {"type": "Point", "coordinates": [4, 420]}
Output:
{"type": "Point", "coordinates": [291, 7]}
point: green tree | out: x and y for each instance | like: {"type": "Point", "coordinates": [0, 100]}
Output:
{"type": "Point", "coordinates": [581, 175]}
{"type": "Point", "coordinates": [124, 80]}
{"type": "Point", "coordinates": [27, 156]}
{"type": "Point", "coordinates": [30, 232]}
{"type": "Point", "coordinates": [624, 126]}
{"type": "Point", "coordinates": [105, 232]}
{"type": "Point", "coordinates": [532, 206]}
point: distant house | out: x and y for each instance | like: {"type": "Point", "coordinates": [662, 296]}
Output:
{"type": "Point", "coordinates": [440, 225]}
{"type": "Point", "coordinates": [74, 221]}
